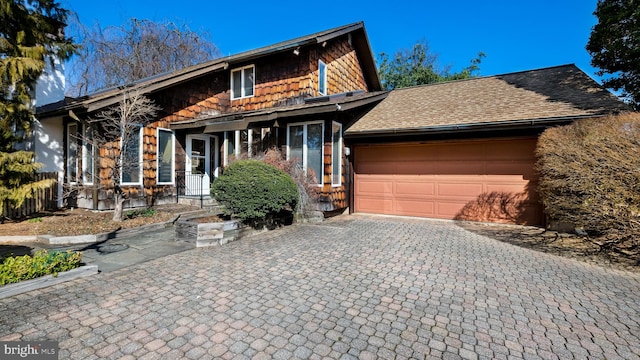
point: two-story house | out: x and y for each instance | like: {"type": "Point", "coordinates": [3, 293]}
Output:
{"type": "Point", "coordinates": [297, 95]}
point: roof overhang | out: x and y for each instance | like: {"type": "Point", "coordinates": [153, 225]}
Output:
{"type": "Point", "coordinates": [467, 128]}
{"type": "Point", "coordinates": [241, 121]}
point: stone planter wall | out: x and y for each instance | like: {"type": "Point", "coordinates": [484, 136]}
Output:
{"type": "Point", "coordinates": [209, 234]}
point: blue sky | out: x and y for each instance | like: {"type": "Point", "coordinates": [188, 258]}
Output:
{"type": "Point", "coordinates": [515, 34]}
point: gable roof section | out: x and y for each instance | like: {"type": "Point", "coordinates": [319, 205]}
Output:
{"type": "Point", "coordinates": [111, 96]}
{"type": "Point", "coordinates": [522, 98]}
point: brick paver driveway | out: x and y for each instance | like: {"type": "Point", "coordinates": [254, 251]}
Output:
{"type": "Point", "coordinates": [354, 287]}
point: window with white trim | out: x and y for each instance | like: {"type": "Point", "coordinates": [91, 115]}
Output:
{"type": "Point", "coordinates": [166, 156]}
{"type": "Point", "coordinates": [243, 82]}
{"type": "Point", "coordinates": [88, 153]}
{"type": "Point", "coordinates": [72, 152]}
{"type": "Point", "coordinates": [322, 77]}
{"type": "Point", "coordinates": [304, 146]}
{"type": "Point", "coordinates": [336, 154]}
{"type": "Point", "coordinates": [131, 159]}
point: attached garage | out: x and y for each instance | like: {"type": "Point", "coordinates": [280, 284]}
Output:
{"type": "Point", "coordinates": [466, 149]}
{"type": "Point", "coordinates": [485, 180]}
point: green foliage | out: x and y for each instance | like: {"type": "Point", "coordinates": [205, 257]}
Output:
{"type": "Point", "coordinates": [589, 178]}
{"type": "Point", "coordinates": [30, 33]}
{"type": "Point", "coordinates": [418, 66]}
{"type": "Point", "coordinates": [614, 46]}
{"type": "Point", "coordinates": [34, 220]}
{"type": "Point", "coordinates": [16, 178]}
{"type": "Point", "coordinates": [43, 262]}
{"type": "Point", "coordinates": [132, 214]}
{"type": "Point", "coordinates": [253, 191]}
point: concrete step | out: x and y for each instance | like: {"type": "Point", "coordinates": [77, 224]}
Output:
{"type": "Point", "coordinates": [207, 203]}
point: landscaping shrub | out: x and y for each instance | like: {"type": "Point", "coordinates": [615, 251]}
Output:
{"type": "Point", "coordinates": [590, 178]}
{"type": "Point", "coordinates": [255, 192]}
{"type": "Point", "coordinates": [43, 262]}
{"type": "Point", "coordinates": [307, 186]}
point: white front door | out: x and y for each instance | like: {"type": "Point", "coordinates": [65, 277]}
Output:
{"type": "Point", "coordinates": [202, 160]}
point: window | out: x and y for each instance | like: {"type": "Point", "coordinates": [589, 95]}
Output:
{"type": "Point", "coordinates": [79, 146]}
{"type": "Point", "coordinates": [322, 78]}
{"type": "Point", "coordinates": [131, 159]}
{"type": "Point", "coordinates": [304, 147]}
{"type": "Point", "coordinates": [72, 153]}
{"type": "Point", "coordinates": [336, 154]}
{"type": "Point", "coordinates": [242, 82]}
{"type": "Point", "coordinates": [166, 151]}
{"type": "Point", "coordinates": [88, 161]}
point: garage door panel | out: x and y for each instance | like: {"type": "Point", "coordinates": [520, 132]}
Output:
{"type": "Point", "coordinates": [448, 209]}
{"type": "Point", "coordinates": [375, 205]}
{"type": "Point", "coordinates": [460, 189]}
{"type": "Point", "coordinates": [448, 179]}
{"type": "Point", "coordinates": [413, 207]}
{"type": "Point", "coordinates": [404, 187]}
{"type": "Point", "coordinates": [378, 187]}
{"type": "Point", "coordinates": [509, 188]}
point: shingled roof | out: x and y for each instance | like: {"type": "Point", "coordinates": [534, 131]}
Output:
{"type": "Point", "coordinates": [522, 98]}
{"type": "Point", "coordinates": [111, 96]}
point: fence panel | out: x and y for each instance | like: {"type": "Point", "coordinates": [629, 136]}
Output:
{"type": "Point", "coordinates": [43, 200]}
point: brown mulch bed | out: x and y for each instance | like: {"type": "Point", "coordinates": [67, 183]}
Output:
{"type": "Point", "coordinates": [561, 244]}
{"type": "Point", "coordinates": [82, 222]}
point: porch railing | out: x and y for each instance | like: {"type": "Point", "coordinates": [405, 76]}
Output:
{"type": "Point", "coordinates": [189, 184]}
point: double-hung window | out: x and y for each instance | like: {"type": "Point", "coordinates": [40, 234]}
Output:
{"type": "Point", "coordinates": [243, 82]}
{"type": "Point", "coordinates": [88, 161]}
{"type": "Point", "coordinates": [322, 77]}
{"type": "Point", "coordinates": [73, 138]}
{"type": "Point", "coordinates": [336, 154]}
{"type": "Point", "coordinates": [166, 156]}
{"type": "Point", "coordinates": [304, 146]}
{"type": "Point", "coordinates": [131, 157]}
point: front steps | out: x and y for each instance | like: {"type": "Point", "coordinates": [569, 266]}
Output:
{"type": "Point", "coordinates": [208, 203]}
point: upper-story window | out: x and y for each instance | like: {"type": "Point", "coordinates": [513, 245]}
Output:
{"type": "Point", "coordinates": [322, 77]}
{"type": "Point", "coordinates": [243, 82]}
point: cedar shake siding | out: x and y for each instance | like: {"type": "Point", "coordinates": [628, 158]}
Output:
{"type": "Point", "coordinates": [198, 101]}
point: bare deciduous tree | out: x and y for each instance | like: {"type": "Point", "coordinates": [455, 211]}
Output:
{"type": "Point", "coordinates": [116, 56]}
{"type": "Point", "coordinates": [117, 131]}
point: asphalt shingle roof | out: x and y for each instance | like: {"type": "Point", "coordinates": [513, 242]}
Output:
{"type": "Point", "coordinates": [557, 92]}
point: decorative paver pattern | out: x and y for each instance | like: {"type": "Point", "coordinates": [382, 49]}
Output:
{"type": "Point", "coordinates": [354, 287]}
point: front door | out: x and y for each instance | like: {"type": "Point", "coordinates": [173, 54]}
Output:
{"type": "Point", "coordinates": [202, 160]}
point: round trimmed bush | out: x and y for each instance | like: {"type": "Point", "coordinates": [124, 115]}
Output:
{"type": "Point", "coordinates": [255, 192]}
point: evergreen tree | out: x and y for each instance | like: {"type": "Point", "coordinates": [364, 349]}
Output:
{"type": "Point", "coordinates": [614, 46]}
{"type": "Point", "coordinates": [16, 178]}
{"type": "Point", "coordinates": [31, 33]}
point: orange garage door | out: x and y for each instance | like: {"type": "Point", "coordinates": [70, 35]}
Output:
{"type": "Point", "coordinates": [488, 180]}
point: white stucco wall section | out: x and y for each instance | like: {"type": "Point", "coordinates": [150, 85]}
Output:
{"type": "Point", "coordinates": [48, 144]}
{"type": "Point", "coordinates": [51, 83]}
{"type": "Point", "coordinates": [48, 134]}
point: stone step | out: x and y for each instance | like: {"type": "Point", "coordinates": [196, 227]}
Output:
{"type": "Point", "coordinates": [207, 203]}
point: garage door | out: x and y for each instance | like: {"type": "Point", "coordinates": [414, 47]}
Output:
{"type": "Point", "coordinates": [488, 180]}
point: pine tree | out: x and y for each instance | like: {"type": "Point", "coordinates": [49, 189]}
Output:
{"type": "Point", "coordinates": [16, 178]}
{"type": "Point", "coordinates": [31, 33]}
